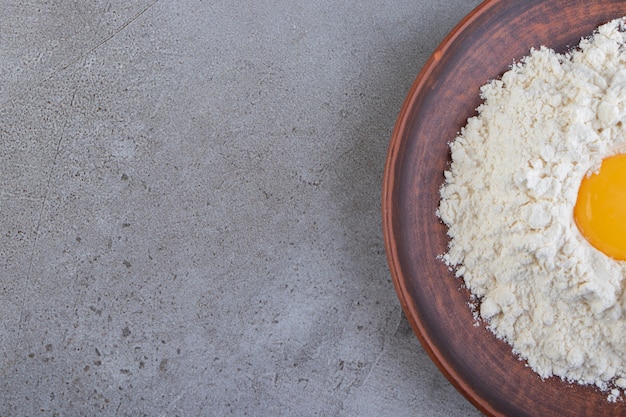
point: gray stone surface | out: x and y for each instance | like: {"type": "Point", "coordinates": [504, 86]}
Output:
{"type": "Point", "coordinates": [190, 199]}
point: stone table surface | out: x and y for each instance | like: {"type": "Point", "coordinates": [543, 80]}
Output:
{"type": "Point", "coordinates": [190, 208]}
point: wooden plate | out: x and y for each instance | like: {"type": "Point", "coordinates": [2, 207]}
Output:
{"type": "Point", "coordinates": [444, 95]}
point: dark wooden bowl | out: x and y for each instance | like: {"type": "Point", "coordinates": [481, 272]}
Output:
{"type": "Point", "coordinates": [444, 95]}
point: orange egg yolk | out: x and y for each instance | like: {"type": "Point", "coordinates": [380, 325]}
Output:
{"type": "Point", "coordinates": [600, 211]}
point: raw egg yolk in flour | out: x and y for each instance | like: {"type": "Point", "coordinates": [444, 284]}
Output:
{"type": "Point", "coordinates": [600, 210]}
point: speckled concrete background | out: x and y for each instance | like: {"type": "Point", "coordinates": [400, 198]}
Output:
{"type": "Point", "coordinates": [190, 208]}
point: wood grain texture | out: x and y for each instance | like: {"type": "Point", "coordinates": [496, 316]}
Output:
{"type": "Point", "coordinates": [444, 95]}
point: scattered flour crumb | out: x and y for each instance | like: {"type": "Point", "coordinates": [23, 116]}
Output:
{"type": "Point", "coordinates": [614, 395]}
{"type": "Point", "coordinates": [508, 201]}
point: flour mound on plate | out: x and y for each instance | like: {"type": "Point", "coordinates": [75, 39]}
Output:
{"type": "Point", "coordinates": [508, 202]}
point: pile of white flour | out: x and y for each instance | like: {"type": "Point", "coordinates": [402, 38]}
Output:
{"type": "Point", "coordinates": [508, 201]}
